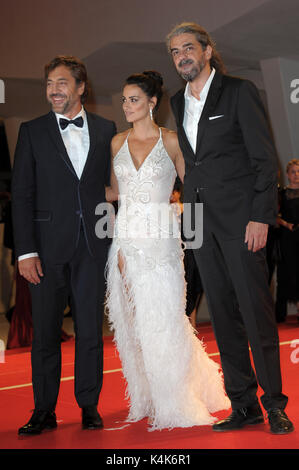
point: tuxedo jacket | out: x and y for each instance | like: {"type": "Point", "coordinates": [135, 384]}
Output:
{"type": "Point", "coordinates": [49, 202]}
{"type": "Point", "coordinates": [233, 171]}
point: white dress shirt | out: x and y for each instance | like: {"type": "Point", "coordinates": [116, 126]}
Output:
{"type": "Point", "coordinates": [76, 141]}
{"type": "Point", "coordinates": [193, 110]}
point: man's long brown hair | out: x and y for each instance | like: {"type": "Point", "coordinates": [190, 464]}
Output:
{"type": "Point", "coordinates": [203, 38]}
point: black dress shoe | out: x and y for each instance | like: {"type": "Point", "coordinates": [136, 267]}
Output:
{"type": "Point", "coordinates": [279, 422]}
{"type": "Point", "coordinates": [39, 421]}
{"type": "Point", "coordinates": [240, 418]}
{"type": "Point", "coordinates": [91, 418]}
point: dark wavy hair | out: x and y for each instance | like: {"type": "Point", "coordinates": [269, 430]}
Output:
{"type": "Point", "coordinates": [76, 67]}
{"type": "Point", "coordinates": [150, 82]}
{"type": "Point", "coordinates": [203, 37]}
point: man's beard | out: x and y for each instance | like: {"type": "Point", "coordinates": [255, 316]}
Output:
{"type": "Point", "coordinates": [57, 107]}
{"type": "Point", "coordinates": [194, 72]}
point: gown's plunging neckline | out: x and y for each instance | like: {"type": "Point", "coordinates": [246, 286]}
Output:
{"type": "Point", "coordinates": [148, 155]}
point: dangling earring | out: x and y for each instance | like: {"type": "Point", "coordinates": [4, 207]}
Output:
{"type": "Point", "coordinates": [151, 113]}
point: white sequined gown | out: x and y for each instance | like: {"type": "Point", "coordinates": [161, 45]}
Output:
{"type": "Point", "coordinates": [170, 377]}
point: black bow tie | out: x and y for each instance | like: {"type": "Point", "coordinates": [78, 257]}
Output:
{"type": "Point", "coordinates": [65, 122]}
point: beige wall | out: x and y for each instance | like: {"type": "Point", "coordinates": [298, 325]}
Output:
{"type": "Point", "coordinates": [38, 30]}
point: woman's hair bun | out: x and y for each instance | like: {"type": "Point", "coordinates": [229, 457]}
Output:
{"type": "Point", "coordinates": [155, 76]}
{"type": "Point", "coordinates": [150, 82]}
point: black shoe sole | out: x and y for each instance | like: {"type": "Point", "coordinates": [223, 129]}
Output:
{"type": "Point", "coordinates": [282, 432]}
{"type": "Point", "coordinates": [258, 420]}
{"type": "Point", "coordinates": [92, 428]}
{"type": "Point", "coordinates": [36, 433]}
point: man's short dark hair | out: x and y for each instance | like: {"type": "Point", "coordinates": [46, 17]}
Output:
{"type": "Point", "coordinates": [76, 67]}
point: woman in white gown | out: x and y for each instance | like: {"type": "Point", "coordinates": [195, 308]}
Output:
{"type": "Point", "coordinates": [170, 378]}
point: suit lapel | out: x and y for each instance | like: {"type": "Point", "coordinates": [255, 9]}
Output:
{"type": "Point", "coordinates": [57, 139]}
{"type": "Point", "coordinates": [92, 141]}
{"type": "Point", "coordinates": [181, 112]}
{"type": "Point", "coordinates": [209, 106]}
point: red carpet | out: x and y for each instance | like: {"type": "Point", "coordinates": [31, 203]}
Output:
{"type": "Point", "coordinates": [16, 403]}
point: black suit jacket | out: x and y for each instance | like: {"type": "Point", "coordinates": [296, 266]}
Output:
{"type": "Point", "coordinates": [234, 169]}
{"type": "Point", "coordinates": [48, 199]}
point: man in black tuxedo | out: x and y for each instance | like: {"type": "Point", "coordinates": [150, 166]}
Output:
{"type": "Point", "coordinates": [231, 168]}
{"type": "Point", "coordinates": [61, 167]}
